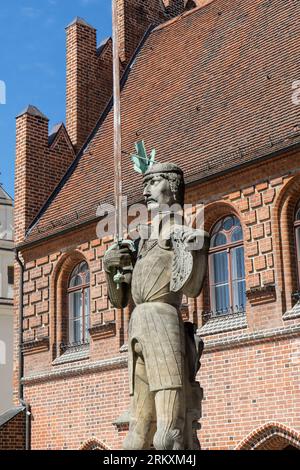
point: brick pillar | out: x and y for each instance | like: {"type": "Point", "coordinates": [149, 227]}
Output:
{"type": "Point", "coordinates": [89, 80]}
{"type": "Point", "coordinates": [31, 158]}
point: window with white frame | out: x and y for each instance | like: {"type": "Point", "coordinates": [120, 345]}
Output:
{"type": "Point", "coordinates": [227, 267]}
{"type": "Point", "coordinates": [297, 236]}
{"type": "Point", "coordinates": [10, 282]}
{"type": "Point", "coordinates": [79, 304]}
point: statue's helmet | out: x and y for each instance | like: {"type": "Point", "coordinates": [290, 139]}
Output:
{"type": "Point", "coordinates": [174, 174]}
{"type": "Point", "coordinates": [164, 168]}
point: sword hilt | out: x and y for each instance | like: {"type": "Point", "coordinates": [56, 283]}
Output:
{"type": "Point", "coordinates": [119, 277]}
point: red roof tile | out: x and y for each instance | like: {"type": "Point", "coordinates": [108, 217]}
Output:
{"type": "Point", "coordinates": [209, 91]}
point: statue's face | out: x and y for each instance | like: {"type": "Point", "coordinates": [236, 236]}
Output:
{"type": "Point", "coordinates": [157, 192]}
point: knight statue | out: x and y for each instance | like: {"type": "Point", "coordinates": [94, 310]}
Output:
{"type": "Point", "coordinates": [163, 351]}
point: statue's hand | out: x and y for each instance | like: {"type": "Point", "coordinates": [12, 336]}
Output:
{"type": "Point", "coordinates": [193, 239]}
{"type": "Point", "coordinates": [118, 256]}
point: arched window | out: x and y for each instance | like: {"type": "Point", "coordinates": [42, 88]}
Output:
{"type": "Point", "coordinates": [79, 304]}
{"type": "Point", "coordinates": [227, 267]}
{"type": "Point", "coordinates": [297, 235]}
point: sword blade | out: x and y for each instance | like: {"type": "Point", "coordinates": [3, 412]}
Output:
{"type": "Point", "coordinates": [117, 126]}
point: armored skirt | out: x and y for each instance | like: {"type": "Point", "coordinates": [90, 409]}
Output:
{"type": "Point", "coordinates": [158, 328]}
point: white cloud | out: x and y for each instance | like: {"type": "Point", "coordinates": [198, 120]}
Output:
{"type": "Point", "coordinates": [2, 92]}
{"type": "Point", "coordinates": [87, 2]}
{"type": "Point", "coordinates": [30, 12]}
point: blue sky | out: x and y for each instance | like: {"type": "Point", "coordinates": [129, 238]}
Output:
{"type": "Point", "coordinates": [32, 62]}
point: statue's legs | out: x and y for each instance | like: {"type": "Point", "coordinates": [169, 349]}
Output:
{"type": "Point", "coordinates": [170, 410]}
{"type": "Point", "coordinates": [142, 413]}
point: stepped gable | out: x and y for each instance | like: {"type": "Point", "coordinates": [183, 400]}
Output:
{"type": "Point", "coordinates": [210, 90]}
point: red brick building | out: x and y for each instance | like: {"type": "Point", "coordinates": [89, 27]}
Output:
{"type": "Point", "coordinates": [212, 87]}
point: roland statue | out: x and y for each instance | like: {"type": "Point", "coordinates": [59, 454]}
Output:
{"type": "Point", "coordinates": [163, 351]}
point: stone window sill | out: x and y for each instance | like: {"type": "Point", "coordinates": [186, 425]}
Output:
{"type": "Point", "coordinates": [223, 323]}
{"type": "Point", "coordinates": [124, 348]}
{"type": "Point", "coordinates": [73, 354]}
{"type": "Point", "coordinates": [294, 313]}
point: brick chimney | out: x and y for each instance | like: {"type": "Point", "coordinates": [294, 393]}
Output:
{"type": "Point", "coordinates": [31, 145]}
{"type": "Point", "coordinates": [135, 16]}
{"type": "Point", "coordinates": [41, 161]}
{"type": "Point", "coordinates": [89, 80]}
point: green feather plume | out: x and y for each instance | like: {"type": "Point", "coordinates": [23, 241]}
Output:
{"type": "Point", "coordinates": [142, 162]}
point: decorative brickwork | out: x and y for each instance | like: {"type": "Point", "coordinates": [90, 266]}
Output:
{"type": "Point", "coordinates": [271, 436]}
{"type": "Point", "coordinates": [94, 444]}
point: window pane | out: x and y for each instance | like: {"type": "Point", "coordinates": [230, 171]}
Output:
{"type": "Point", "coordinates": [219, 281]}
{"type": "Point", "coordinates": [87, 312]}
{"type": "Point", "coordinates": [236, 221]}
{"type": "Point", "coordinates": [238, 278]}
{"type": "Point", "coordinates": [298, 247]}
{"type": "Point", "coordinates": [219, 263]}
{"type": "Point", "coordinates": [228, 223]}
{"type": "Point", "coordinates": [239, 295]}
{"type": "Point", "coordinates": [76, 281]}
{"type": "Point", "coordinates": [237, 235]}
{"type": "Point", "coordinates": [217, 227]}
{"type": "Point", "coordinates": [218, 239]}
{"type": "Point", "coordinates": [10, 281]}
{"type": "Point", "coordinates": [10, 275]}
{"type": "Point", "coordinates": [78, 273]}
{"type": "Point", "coordinates": [75, 317]}
{"type": "Point", "coordinates": [238, 263]}
{"type": "Point", "coordinates": [221, 302]}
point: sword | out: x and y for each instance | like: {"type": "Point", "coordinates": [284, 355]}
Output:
{"type": "Point", "coordinates": [117, 126]}
{"type": "Point", "coordinates": [118, 191]}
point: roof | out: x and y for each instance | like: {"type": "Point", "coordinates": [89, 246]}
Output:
{"type": "Point", "coordinates": [33, 111]}
{"type": "Point", "coordinates": [210, 90]}
{"type": "Point", "coordinates": [78, 20]}
{"type": "Point", "coordinates": [10, 414]}
{"type": "Point", "coordinates": [103, 44]}
{"type": "Point", "coordinates": [53, 133]}
{"type": "Point", "coordinates": [5, 198]}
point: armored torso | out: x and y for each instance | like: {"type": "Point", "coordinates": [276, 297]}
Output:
{"type": "Point", "coordinates": [152, 275]}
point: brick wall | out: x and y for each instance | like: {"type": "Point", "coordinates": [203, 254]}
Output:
{"type": "Point", "coordinates": [246, 387]}
{"type": "Point", "coordinates": [249, 374]}
{"type": "Point", "coordinates": [79, 409]}
{"type": "Point", "coordinates": [12, 434]}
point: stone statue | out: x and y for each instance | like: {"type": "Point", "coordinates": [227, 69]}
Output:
{"type": "Point", "coordinates": [163, 351]}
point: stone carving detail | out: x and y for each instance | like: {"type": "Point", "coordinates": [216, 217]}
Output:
{"type": "Point", "coordinates": [182, 267]}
